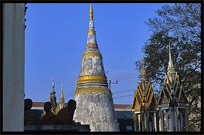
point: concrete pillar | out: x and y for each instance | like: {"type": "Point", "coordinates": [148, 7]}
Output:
{"type": "Point", "coordinates": [150, 126]}
{"type": "Point", "coordinates": [135, 121]}
{"type": "Point", "coordinates": [176, 119]}
{"type": "Point", "coordinates": [142, 120]}
{"type": "Point", "coordinates": [160, 124]}
{"type": "Point", "coordinates": [179, 121]}
{"type": "Point", "coordinates": [145, 121]}
{"type": "Point", "coordinates": [186, 119]}
{"type": "Point", "coordinates": [13, 66]}
{"type": "Point", "coordinates": [159, 119]}
{"type": "Point", "coordinates": [162, 121]}
{"type": "Point", "coordinates": [181, 118]}
{"type": "Point", "coordinates": [155, 122]}
{"type": "Point", "coordinates": [139, 122]}
{"type": "Point", "coordinates": [167, 121]}
{"type": "Point", "coordinates": [172, 119]}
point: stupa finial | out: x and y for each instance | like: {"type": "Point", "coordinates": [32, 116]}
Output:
{"type": "Point", "coordinates": [143, 76]}
{"type": "Point", "coordinates": [53, 83]}
{"type": "Point", "coordinates": [91, 12]}
{"type": "Point", "coordinates": [169, 52]}
{"type": "Point", "coordinates": [62, 96]}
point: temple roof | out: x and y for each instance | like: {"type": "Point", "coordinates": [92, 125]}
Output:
{"type": "Point", "coordinates": [171, 86]}
{"type": "Point", "coordinates": [143, 98]}
{"type": "Point", "coordinates": [144, 95]}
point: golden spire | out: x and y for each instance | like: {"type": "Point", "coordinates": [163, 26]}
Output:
{"type": "Point", "coordinates": [62, 97]}
{"type": "Point", "coordinates": [53, 83]}
{"type": "Point", "coordinates": [170, 66]}
{"type": "Point", "coordinates": [49, 96]}
{"type": "Point", "coordinates": [91, 12]}
{"type": "Point", "coordinates": [91, 40]}
{"type": "Point", "coordinates": [170, 69]}
{"type": "Point", "coordinates": [169, 52]}
{"type": "Point", "coordinates": [143, 68]}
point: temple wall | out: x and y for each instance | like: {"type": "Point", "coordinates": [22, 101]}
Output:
{"type": "Point", "coordinates": [13, 66]}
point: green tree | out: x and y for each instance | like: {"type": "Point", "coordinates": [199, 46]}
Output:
{"type": "Point", "coordinates": [180, 25]}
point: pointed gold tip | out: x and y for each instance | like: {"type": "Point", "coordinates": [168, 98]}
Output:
{"type": "Point", "coordinates": [53, 81]}
{"type": "Point", "coordinates": [91, 12]}
{"type": "Point", "coordinates": [143, 62]}
{"type": "Point", "coordinates": [62, 96]}
{"type": "Point", "coordinates": [169, 46]}
{"type": "Point", "coordinates": [143, 68]}
{"type": "Point", "coordinates": [169, 51]}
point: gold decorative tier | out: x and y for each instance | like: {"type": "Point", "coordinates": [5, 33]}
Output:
{"type": "Point", "coordinates": [91, 32]}
{"type": "Point", "coordinates": [91, 45]}
{"type": "Point", "coordinates": [85, 79]}
{"type": "Point", "coordinates": [89, 90]}
{"type": "Point", "coordinates": [92, 54]}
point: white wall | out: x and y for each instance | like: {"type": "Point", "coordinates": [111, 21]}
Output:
{"type": "Point", "coordinates": [13, 66]}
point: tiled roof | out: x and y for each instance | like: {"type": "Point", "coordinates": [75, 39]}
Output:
{"type": "Point", "coordinates": [122, 106]}
{"type": "Point", "coordinates": [38, 104]}
{"type": "Point", "coordinates": [116, 106]}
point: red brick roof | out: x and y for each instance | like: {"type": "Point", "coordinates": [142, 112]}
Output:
{"type": "Point", "coordinates": [38, 104]}
{"type": "Point", "coordinates": [122, 106]}
{"type": "Point", "coordinates": [116, 106]}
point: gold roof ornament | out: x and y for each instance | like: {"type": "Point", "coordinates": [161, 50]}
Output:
{"type": "Point", "coordinates": [169, 52]}
{"type": "Point", "coordinates": [91, 12]}
{"type": "Point", "coordinates": [170, 70]}
{"type": "Point", "coordinates": [143, 75]}
{"type": "Point", "coordinates": [62, 96]}
{"type": "Point", "coordinates": [53, 83]}
{"type": "Point", "coordinates": [91, 32]}
{"type": "Point", "coordinates": [143, 67]}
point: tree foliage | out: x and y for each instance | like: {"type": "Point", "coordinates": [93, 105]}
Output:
{"type": "Point", "coordinates": [180, 25]}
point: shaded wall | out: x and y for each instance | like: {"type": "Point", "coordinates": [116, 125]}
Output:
{"type": "Point", "coordinates": [13, 66]}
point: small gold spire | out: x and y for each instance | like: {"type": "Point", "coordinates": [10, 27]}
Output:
{"type": "Point", "coordinates": [49, 96]}
{"type": "Point", "coordinates": [170, 69]}
{"type": "Point", "coordinates": [169, 52]}
{"type": "Point", "coordinates": [143, 62]}
{"type": "Point", "coordinates": [143, 67]}
{"type": "Point", "coordinates": [62, 97]}
{"type": "Point", "coordinates": [53, 84]}
{"type": "Point", "coordinates": [91, 12]}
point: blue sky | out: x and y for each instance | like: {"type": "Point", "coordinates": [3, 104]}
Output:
{"type": "Point", "coordinates": [55, 41]}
